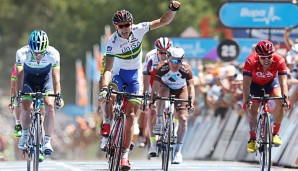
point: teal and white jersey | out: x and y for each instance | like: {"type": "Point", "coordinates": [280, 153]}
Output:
{"type": "Point", "coordinates": [24, 57]}
{"type": "Point", "coordinates": [128, 53]}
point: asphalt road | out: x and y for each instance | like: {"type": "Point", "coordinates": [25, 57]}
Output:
{"type": "Point", "coordinates": [143, 165]}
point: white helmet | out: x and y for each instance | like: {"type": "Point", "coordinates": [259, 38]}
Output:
{"type": "Point", "coordinates": [176, 52]}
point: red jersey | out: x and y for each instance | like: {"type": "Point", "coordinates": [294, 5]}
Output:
{"type": "Point", "coordinates": [254, 69]}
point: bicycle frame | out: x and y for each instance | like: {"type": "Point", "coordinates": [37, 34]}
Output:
{"type": "Point", "coordinates": [35, 128]}
{"type": "Point", "coordinates": [117, 135]}
{"type": "Point", "coordinates": [264, 131]}
{"type": "Point", "coordinates": [167, 138]}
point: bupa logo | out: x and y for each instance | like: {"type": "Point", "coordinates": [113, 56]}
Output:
{"type": "Point", "coordinates": [264, 75]}
{"type": "Point", "coordinates": [260, 15]}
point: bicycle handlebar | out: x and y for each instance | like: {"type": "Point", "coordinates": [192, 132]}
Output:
{"type": "Point", "coordinates": [266, 98]}
{"type": "Point", "coordinates": [172, 99]}
{"type": "Point", "coordinates": [36, 95]}
{"type": "Point", "coordinates": [144, 97]}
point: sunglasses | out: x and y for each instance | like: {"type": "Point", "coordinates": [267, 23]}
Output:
{"type": "Point", "coordinates": [161, 53]}
{"type": "Point", "coordinates": [123, 26]}
{"type": "Point", "coordinates": [265, 57]}
{"type": "Point", "coordinates": [39, 53]}
{"type": "Point", "coordinates": [176, 61]}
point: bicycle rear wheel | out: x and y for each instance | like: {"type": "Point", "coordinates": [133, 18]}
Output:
{"type": "Point", "coordinates": [167, 149]}
{"type": "Point", "coordinates": [264, 137]}
{"type": "Point", "coordinates": [116, 144]}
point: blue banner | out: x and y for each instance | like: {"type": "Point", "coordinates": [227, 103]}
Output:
{"type": "Point", "coordinates": [245, 48]}
{"type": "Point", "coordinates": [195, 47]}
{"type": "Point", "coordinates": [258, 14]}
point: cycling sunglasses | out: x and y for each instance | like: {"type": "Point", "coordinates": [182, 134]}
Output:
{"type": "Point", "coordinates": [161, 53]}
{"type": "Point", "coordinates": [38, 53]}
{"type": "Point", "coordinates": [124, 26]}
{"type": "Point", "coordinates": [176, 61]}
{"type": "Point", "coordinates": [265, 57]}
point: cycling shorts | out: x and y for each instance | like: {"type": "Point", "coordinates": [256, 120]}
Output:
{"type": "Point", "coordinates": [256, 89]}
{"type": "Point", "coordinates": [131, 78]}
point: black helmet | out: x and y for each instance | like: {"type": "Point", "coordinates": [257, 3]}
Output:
{"type": "Point", "coordinates": [122, 16]}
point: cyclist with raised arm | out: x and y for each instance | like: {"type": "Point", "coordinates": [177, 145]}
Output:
{"type": "Point", "coordinates": [264, 69]}
{"type": "Point", "coordinates": [12, 105]}
{"type": "Point", "coordinates": [152, 60]}
{"type": "Point", "coordinates": [124, 66]}
{"type": "Point", "coordinates": [174, 77]}
{"type": "Point", "coordinates": [38, 69]}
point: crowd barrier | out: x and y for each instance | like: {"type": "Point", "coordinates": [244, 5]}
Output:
{"type": "Point", "coordinates": [213, 138]}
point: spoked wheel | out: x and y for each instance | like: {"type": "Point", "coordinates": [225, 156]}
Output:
{"type": "Point", "coordinates": [264, 137]}
{"type": "Point", "coordinates": [36, 143]}
{"type": "Point", "coordinates": [29, 158]}
{"type": "Point", "coordinates": [167, 145]}
{"type": "Point", "coordinates": [117, 143]}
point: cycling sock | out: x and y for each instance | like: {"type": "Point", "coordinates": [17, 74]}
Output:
{"type": "Point", "coordinates": [159, 119]}
{"type": "Point", "coordinates": [276, 128]}
{"type": "Point", "coordinates": [152, 140]}
{"type": "Point", "coordinates": [25, 131]}
{"type": "Point", "coordinates": [125, 152]}
{"type": "Point", "coordinates": [252, 135]}
{"type": "Point", "coordinates": [18, 122]}
{"type": "Point", "coordinates": [141, 132]}
{"type": "Point", "coordinates": [178, 147]}
{"type": "Point", "coordinates": [47, 138]}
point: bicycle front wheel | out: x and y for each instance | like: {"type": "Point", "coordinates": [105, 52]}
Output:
{"type": "Point", "coordinates": [167, 149]}
{"type": "Point", "coordinates": [36, 141]}
{"type": "Point", "coordinates": [116, 144]}
{"type": "Point", "coordinates": [265, 142]}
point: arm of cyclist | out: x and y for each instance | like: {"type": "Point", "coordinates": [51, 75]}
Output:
{"type": "Point", "coordinates": [13, 91]}
{"type": "Point", "coordinates": [167, 17]}
{"type": "Point", "coordinates": [155, 86]}
{"type": "Point", "coordinates": [246, 90]}
{"type": "Point", "coordinates": [289, 43]}
{"type": "Point", "coordinates": [284, 89]}
{"type": "Point", "coordinates": [105, 79]}
{"type": "Point", "coordinates": [191, 92]}
{"type": "Point", "coordinates": [57, 87]}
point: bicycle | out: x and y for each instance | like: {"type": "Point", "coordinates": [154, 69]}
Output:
{"type": "Point", "coordinates": [36, 128]}
{"type": "Point", "coordinates": [264, 130]}
{"type": "Point", "coordinates": [167, 138]}
{"type": "Point", "coordinates": [116, 137]}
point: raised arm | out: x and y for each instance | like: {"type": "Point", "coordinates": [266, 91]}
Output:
{"type": "Point", "coordinates": [167, 17]}
{"type": "Point", "coordinates": [288, 41]}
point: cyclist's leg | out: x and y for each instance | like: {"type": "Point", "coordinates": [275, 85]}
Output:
{"type": "Point", "coordinates": [132, 79]}
{"type": "Point", "coordinates": [278, 115]}
{"type": "Point", "coordinates": [182, 114]}
{"type": "Point", "coordinates": [25, 117]}
{"type": "Point", "coordinates": [49, 118]}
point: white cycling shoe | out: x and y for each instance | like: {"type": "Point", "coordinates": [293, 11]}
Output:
{"type": "Point", "coordinates": [103, 144]}
{"type": "Point", "coordinates": [178, 158]}
{"type": "Point", "coordinates": [23, 141]}
{"type": "Point", "coordinates": [152, 152]}
{"type": "Point", "coordinates": [47, 149]}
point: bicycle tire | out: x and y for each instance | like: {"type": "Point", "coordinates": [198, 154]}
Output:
{"type": "Point", "coordinates": [166, 152]}
{"type": "Point", "coordinates": [29, 151]}
{"type": "Point", "coordinates": [117, 144]}
{"type": "Point", "coordinates": [36, 141]}
{"type": "Point", "coordinates": [264, 137]}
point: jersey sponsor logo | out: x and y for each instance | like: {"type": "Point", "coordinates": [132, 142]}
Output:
{"type": "Point", "coordinates": [264, 75]}
{"type": "Point", "coordinates": [114, 39]}
{"type": "Point", "coordinates": [144, 24]}
{"type": "Point", "coordinates": [109, 48]}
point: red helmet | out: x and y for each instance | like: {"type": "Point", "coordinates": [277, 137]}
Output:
{"type": "Point", "coordinates": [163, 43]}
{"type": "Point", "coordinates": [122, 16]}
{"type": "Point", "coordinates": [265, 48]}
